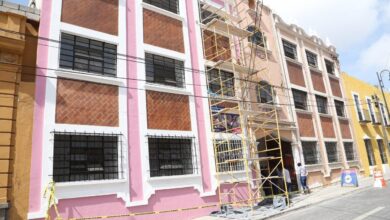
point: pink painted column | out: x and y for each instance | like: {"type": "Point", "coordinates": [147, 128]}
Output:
{"type": "Point", "coordinates": [134, 152]}
{"type": "Point", "coordinates": [200, 116]}
{"type": "Point", "coordinates": [39, 108]}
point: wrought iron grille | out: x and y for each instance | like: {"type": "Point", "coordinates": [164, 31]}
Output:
{"type": "Point", "coordinates": [169, 5]}
{"type": "Point", "coordinates": [86, 156]}
{"type": "Point", "coordinates": [310, 152]}
{"type": "Point", "coordinates": [322, 104]}
{"type": "Point", "coordinates": [82, 54]}
{"type": "Point", "coordinates": [331, 151]}
{"type": "Point", "coordinates": [329, 66]}
{"type": "Point", "coordinates": [221, 82]}
{"type": "Point", "coordinates": [163, 70]}
{"type": "Point", "coordinates": [370, 152]}
{"type": "Point", "coordinates": [229, 155]}
{"type": "Point", "coordinates": [290, 50]}
{"type": "Point", "coordinates": [299, 99]}
{"type": "Point", "coordinates": [171, 156]}
{"type": "Point", "coordinates": [311, 59]}
{"type": "Point", "coordinates": [340, 109]}
{"type": "Point", "coordinates": [349, 151]}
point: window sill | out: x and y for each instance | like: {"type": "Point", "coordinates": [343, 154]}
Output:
{"type": "Point", "coordinates": [303, 111]}
{"type": "Point", "coordinates": [342, 118]}
{"type": "Point", "coordinates": [314, 168]}
{"type": "Point", "coordinates": [288, 59]}
{"type": "Point", "coordinates": [333, 76]}
{"type": "Point", "coordinates": [166, 89]}
{"type": "Point", "coordinates": [264, 49]}
{"type": "Point", "coordinates": [93, 182]}
{"type": "Point", "coordinates": [83, 76]}
{"type": "Point", "coordinates": [327, 115]}
{"type": "Point", "coordinates": [315, 70]}
{"type": "Point", "coordinates": [162, 11]}
{"type": "Point", "coordinates": [335, 165]}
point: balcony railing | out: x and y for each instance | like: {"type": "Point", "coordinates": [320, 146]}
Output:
{"type": "Point", "coordinates": [378, 118]}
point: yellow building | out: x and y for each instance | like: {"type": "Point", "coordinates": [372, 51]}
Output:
{"type": "Point", "coordinates": [369, 118]}
{"type": "Point", "coordinates": [18, 45]}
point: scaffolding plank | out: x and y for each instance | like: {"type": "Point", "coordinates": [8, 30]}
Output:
{"type": "Point", "coordinates": [226, 28]}
{"type": "Point", "coordinates": [220, 12]}
{"type": "Point", "coordinates": [230, 66]}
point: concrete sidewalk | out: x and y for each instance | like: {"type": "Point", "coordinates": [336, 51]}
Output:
{"type": "Point", "coordinates": [317, 196]}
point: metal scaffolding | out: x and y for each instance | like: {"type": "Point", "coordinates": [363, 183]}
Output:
{"type": "Point", "coordinates": [246, 136]}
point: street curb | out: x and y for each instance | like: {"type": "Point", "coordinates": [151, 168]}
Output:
{"type": "Point", "coordinates": [316, 203]}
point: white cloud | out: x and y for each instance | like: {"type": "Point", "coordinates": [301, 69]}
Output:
{"type": "Point", "coordinates": [347, 23]}
{"type": "Point", "coordinates": [377, 55]}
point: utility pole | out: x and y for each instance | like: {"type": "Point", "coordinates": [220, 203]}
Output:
{"type": "Point", "coordinates": [379, 74]}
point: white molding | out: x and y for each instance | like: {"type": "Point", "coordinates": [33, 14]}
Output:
{"type": "Point", "coordinates": [371, 110]}
{"type": "Point", "coordinates": [167, 89]}
{"type": "Point", "coordinates": [359, 106]}
{"type": "Point", "coordinates": [89, 77]}
{"type": "Point", "coordinates": [164, 52]}
{"type": "Point", "coordinates": [163, 12]}
{"type": "Point", "coordinates": [88, 33]}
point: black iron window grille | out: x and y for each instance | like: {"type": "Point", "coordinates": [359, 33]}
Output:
{"type": "Point", "coordinates": [290, 50]}
{"type": "Point", "coordinates": [169, 5]}
{"type": "Point", "coordinates": [229, 155]}
{"type": "Point", "coordinates": [221, 82]}
{"type": "Point", "coordinates": [340, 109]}
{"type": "Point", "coordinates": [322, 104]}
{"type": "Point", "coordinates": [163, 70]}
{"type": "Point", "coordinates": [349, 151]}
{"type": "Point", "coordinates": [265, 93]}
{"type": "Point", "coordinates": [310, 152]}
{"type": "Point", "coordinates": [329, 66]}
{"type": "Point", "coordinates": [311, 59]}
{"type": "Point", "coordinates": [257, 37]}
{"type": "Point", "coordinates": [382, 151]}
{"type": "Point", "coordinates": [300, 99]}
{"type": "Point", "coordinates": [384, 115]}
{"type": "Point", "coordinates": [172, 156]}
{"type": "Point", "coordinates": [83, 54]}
{"type": "Point", "coordinates": [86, 156]}
{"type": "Point", "coordinates": [370, 152]}
{"type": "Point", "coordinates": [331, 151]}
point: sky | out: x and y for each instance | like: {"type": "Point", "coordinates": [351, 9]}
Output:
{"type": "Point", "coordinates": [359, 29]}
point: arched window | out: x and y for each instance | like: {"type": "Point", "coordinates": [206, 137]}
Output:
{"type": "Point", "coordinates": [265, 93]}
{"type": "Point", "coordinates": [256, 37]}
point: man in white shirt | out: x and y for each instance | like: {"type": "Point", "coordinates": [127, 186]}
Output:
{"type": "Point", "coordinates": [303, 177]}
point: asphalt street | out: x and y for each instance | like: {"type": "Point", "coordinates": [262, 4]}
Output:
{"type": "Point", "coordinates": [371, 204]}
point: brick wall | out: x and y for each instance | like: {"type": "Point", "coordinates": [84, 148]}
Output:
{"type": "Point", "coordinates": [335, 85]}
{"type": "Point", "coordinates": [305, 122]}
{"type": "Point", "coordinates": [163, 31]}
{"type": "Point", "coordinates": [296, 74]}
{"type": "Point", "coordinates": [327, 127]}
{"type": "Point", "coordinates": [167, 111]}
{"type": "Point", "coordinates": [318, 81]}
{"type": "Point", "coordinates": [99, 15]}
{"type": "Point", "coordinates": [86, 103]}
{"type": "Point", "coordinates": [345, 130]}
{"type": "Point", "coordinates": [216, 47]}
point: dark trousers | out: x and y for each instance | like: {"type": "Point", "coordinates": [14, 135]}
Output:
{"type": "Point", "coordinates": [303, 183]}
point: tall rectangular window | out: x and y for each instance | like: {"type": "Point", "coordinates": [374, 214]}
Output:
{"type": "Point", "coordinates": [311, 59]}
{"type": "Point", "coordinates": [310, 152]}
{"type": "Point", "coordinates": [169, 5]}
{"type": "Point", "coordinates": [340, 109]}
{"type": "Point", "coordinates": [349, 151]}
{"type": "Point", "coordinates": [300, 99]}
{"type": "Point", "coordinates": [322, 104]}
{"type": "Point", "coordinates": [163, 70]}
{"type": "Point", "coordinates": [384, 114]}
{"type": "Point", "coordinates": [221, 82]}
{"type": "Point", "coordinates": [329, 66]}
{"type": "Point", "coordinates": [370, 152]}
{"type": "Point", "coordinates": [171, 157]}
{"type": "Point", "coordinates": [371, 110]}
{"type": "Point", "coordinates": [331, 151]}
{"type": "Point", "coordinates": [229, 155]}
{"type": "Point", "coordinates": [382, 151]}
{"type": "Point", "coordinates": [83, 54]}
{"type": "Point", "coordinates": [358, 107]}
{"type": "Point", "coordinates": [290, 50]}
{"type": "Point", "coordinates": [83, 157]}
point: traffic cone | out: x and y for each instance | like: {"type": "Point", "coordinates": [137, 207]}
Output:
{"type": "Point", "coordinates": [379, 180]}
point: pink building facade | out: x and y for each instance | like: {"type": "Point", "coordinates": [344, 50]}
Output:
{"type": "Point", "coordinates": [114, 134]}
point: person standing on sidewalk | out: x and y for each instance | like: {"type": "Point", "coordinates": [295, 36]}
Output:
{"type": "Point", "coordinates": [287, 178]}
{"type": "Point", "coordinates": [303, 177]}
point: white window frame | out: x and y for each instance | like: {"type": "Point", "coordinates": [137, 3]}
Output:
{"type": "Point", "coordinates": [371, 109]}
{"type": "Point", "coordinates": [383, 113]}
{"type": "Point", "coordinates": [358, 106]}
